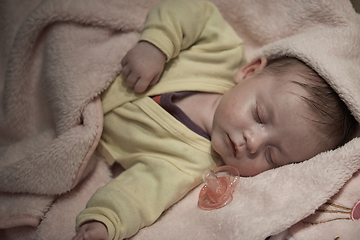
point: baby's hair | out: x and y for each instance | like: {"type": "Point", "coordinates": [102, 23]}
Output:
{"type": "Point", "coordinates": [334, 119]}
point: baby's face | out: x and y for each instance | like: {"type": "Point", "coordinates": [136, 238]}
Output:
{"type": "Point", "coordinates": [263, 123]}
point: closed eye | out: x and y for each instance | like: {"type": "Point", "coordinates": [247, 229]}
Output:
{"type": "Point", "coordinates": [257, 115]}
{"type": "Point", "coordinates": [268, 157]}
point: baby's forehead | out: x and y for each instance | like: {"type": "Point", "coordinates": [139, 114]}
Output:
{"type": "Point", "coordinates": [288, 98]}
{"type": "Point", "coordinates": [289, 82]}
{"type": "Point", "coordinates": [287, 68]}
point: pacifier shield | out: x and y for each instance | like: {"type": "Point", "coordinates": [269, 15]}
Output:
{"type": "Point", "coordinates": [219, 187]}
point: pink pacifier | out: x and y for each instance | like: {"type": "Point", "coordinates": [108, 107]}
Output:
{"type": "Point", "coordinates": [219, 187]}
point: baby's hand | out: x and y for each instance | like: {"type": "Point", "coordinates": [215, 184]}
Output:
{"type": "Point", "coordinates": [142, 66]}
{"type": "Point", "coordinates": [92, 231]}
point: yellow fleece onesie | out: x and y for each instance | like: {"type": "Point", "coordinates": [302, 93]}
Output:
{"type": "Point", "coordinates": [163, 159]}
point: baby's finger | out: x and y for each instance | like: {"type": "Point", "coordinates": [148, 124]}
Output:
{"type": "Point", "coordinates": [79, 235]}
{"type": "Point", "coordinates": [155, 79]}
{"type": "Point", "coordinates": [124, 60]}
{"type": "Point", "coordinates": [94, 235]}
{"type": "Point", "coordinates": [141, 85]}
{"type": "Point", "coordinates": [125, 71]}
{"type": "Point", "coordinates": [76, 237]}
{"type": "Point", "coordinates": [132, 79]}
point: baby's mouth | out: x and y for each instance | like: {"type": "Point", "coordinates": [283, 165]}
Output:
{"type": "Point", "coordinates": [231, 145]}
{"type": "Point", "coordinates": [234, 149]}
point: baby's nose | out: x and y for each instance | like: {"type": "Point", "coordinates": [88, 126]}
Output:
{"type": "Point", "coordinates": [254, 140]}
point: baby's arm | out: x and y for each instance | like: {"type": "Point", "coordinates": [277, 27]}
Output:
{"type": "Point", "coordinates": [92, 231]}
{"type": "Point", "coordinates": [142, 66]}
{"type": "Point", "coordinates": [171, 26]}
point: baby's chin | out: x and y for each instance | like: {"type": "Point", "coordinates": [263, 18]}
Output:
{"type": "Point", "coordinates": [249, 173]}
{"type": "Point", "coordinates": [226, 160]}
{"type": "Point", "coordinates": [243, 171]}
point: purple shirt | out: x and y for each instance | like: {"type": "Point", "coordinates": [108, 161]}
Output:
{"type": "Point", "coordinates": [167, 102]}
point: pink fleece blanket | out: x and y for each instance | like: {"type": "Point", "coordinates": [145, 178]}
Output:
{"type": "Point", "coordinates": [58, 56]}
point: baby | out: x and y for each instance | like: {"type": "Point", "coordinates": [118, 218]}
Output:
{"type": "Point", "coordinates": [258, 116]}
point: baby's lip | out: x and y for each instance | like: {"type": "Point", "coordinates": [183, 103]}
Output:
{"type": "Point", "coordinates": [231, 146]}
{"type": "Point", "coordinates": [235, 150]}
{"type": "Point", "coordinates": [239, 150]}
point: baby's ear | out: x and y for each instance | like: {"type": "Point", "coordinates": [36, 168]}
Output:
{"type": "Point", "coordinates": [250, 69]}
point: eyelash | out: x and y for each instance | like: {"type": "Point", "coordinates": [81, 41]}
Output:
{"type": "Point", "coordinates": [267, 151]}
{"type": "Point", "coordinates": [257, 115]}
{"type": "Point", "coordinates": [268, 156]}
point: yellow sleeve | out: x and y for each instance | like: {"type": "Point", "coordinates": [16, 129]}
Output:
{"type": "Point", "coordinates": [203, 51]}
{"type": "Point", "coordinates": [175, 25]}
{"type": "Point", "coordinates": [137, 197]}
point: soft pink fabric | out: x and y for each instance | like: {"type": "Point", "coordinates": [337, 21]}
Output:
{"type": "Point", "coordinates": [335, 222]}
{"type": "Point", "coordinates": [59, 221]}
{"type": "Point", "coordinates": [62, 55]}
{"type": "Point", "coordinates": [266, 204]}
{"type": "Point", "coordinates": [57, 56]}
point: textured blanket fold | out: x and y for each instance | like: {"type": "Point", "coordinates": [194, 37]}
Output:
{"type": "Point", "coordinates": [264, 205]}
{"type": "Point", "coordinates": [60, 59]}
{"type": "Point", "coordinates": [45, 98]}
{"type": "Point", "coordinates": [57, 56]}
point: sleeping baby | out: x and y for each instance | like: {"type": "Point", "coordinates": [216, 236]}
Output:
{"type": "Point", "coordinates": [187, 101]}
